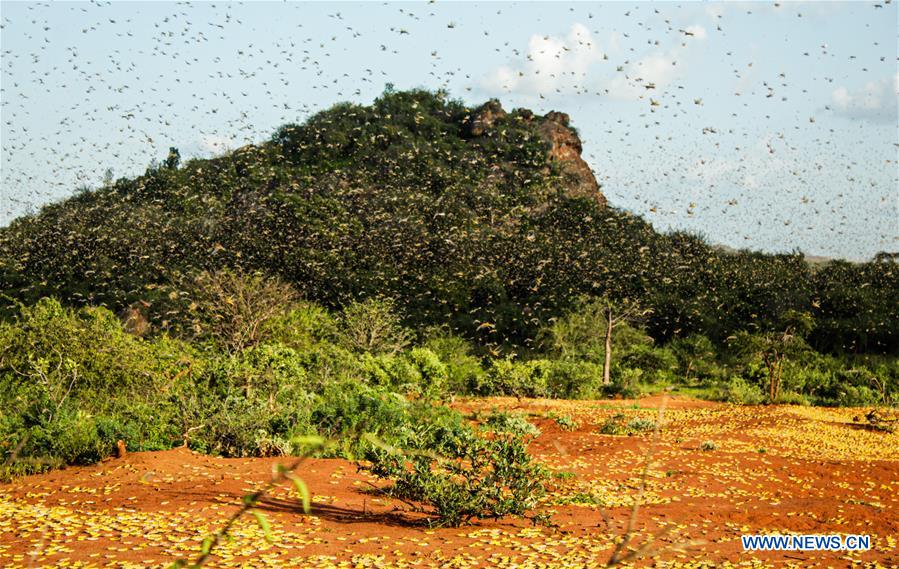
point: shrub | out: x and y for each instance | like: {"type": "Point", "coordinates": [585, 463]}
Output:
{"type": "Point", "coordinates": [56, 353]}
{"type": "Point", "coordinates": [513, 423]}
{"type": "Point", "coordinates": [565, 422]}
{"type": "Point", "coordinates": [304, 328]}
{"type": "Point", "coordinates": [708, 446]}
{"type": "Point", "coordinates": [432, 373]}
{"type": "Point", "coordinates": [625, 382]}
{"type": "Point", "coordinates": [639, 424]}
{"type": "Point", "coordinates": [267, 368]}
{"type": "Point", "coordinates": [618, 424]}
{"type": "Point", "coordinates": [741, 392]}
{"type": "Point", "coordinates": [418, 372]}
{"type": "Point", "coordinates": [854, 396]}
{"type": "Point", "coordinates": [233, 427]}
{"type": "Point", "coordinates": [696, 357]}
{"type": "Point", "coordinates": [614, 425]}
{"type": "Point", "coordinates": [792, 398]}
{"type": "Point", "coordinates": [327, 363]}
{"type": "Point", "coordinates": [656, 364]}
{"type": "Point", "coordinates": [373, 326]}
{"type": "Point", "coordinates": [72, 382]}
{"type": "Point", "coordinates": [458, 475]}
{"type": "Point", "coordinates": [347, 410]}
{"type": "Point", "coordinates": [574, 379]}
{"type": "Point", "coordinates": [518, 378]}
{"type": "Point", "coordinates": [463, 370]}
{"type": "Point", "coordinates": [233, 308]}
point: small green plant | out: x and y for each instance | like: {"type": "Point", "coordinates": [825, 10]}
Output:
{"type": "Point", "coordinates": [707, 446]}
{"type": "Point", "coordinates": [513, 423]}
{"type": "Point", "coordinates": [565, 422]}
{"type": "Point", "coordinates": [457, 474]}
{"type": "Point", "coordinates": [563, 475]}
{"type": "Point", "coordinates": [617, 424]}
{"type": "Point", "coordinates": [614, 425]}
{"type": "Point", "coordinates": [640, 424]}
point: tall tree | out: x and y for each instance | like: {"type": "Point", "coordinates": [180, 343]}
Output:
{"type": "Point", "coordinates": [618, 313]}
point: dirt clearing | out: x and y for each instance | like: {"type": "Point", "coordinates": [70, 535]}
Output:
{"type": "Point", "coordinates": [776, 469]}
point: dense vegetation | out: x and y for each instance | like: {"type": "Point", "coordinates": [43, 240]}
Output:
{"type": "Point", "coordinates": [346, 276]}
{"type": "Point", "coordinates": [399, 199]}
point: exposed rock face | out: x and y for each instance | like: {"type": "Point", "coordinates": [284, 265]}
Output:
{"type": "Point", "coordinates": [564, 145]}
{"type": "Point", "coordinates": [485, 117]}
{"type": "Point", "coordinates": [565, 148]}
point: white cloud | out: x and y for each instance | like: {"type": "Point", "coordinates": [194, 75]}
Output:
{"type": "Point", "coordinates": [654, 71]}
{"type": "Point", "coordinates": [553, 64]}
{"type": "Point", "coordinates": [876, 101]}
{"type": "Point", "coordinates": [570, 64]}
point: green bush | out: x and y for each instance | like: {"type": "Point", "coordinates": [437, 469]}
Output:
{"type": "Point", "coordinates": [418, 372]}
{"type": "Point", "coordinates": [268, 368]}
{"type": "Point", "coordinates": [232, 426]}
{"type": "Point", "coordinates": [57, 353]}
{"type": "Point", "coordinates": [518, 378]}
{"type": "Point", "coordinates": [565, 422]}
{"type": "Point", "coordinates": [639, 424]}
{"type": "Point", "coordinates": [854, 396]}
{"type": "Point", "coordinates": [513, 423]}
{"type": "Point", "coordinates": [373, 326]}
{"type": "Point", "coordinates": [625, 382]}
{"type": "Point", "coordinates": [432, 373]}
{"type": "Point", "coordinates": [72, 382]}
{"type": "Point", "coordinates": [463, 370]}
{"type": "Point", "coordinates": [741, 392]}
{"type": "Point", "coordinates": [696, 358]}
{"type": "Point", "coordinates": [792, 398]}
{"type": "Point", "coordinates": [305, 327]}
{"type": "Point", "coordinates": [347, 410]}
{"type": "Point", "coordinates": [574, 379]}
{"type": "Point", "coordinates": [618, 424]}
{"type": "Point", "coordinates": [656, 364]}
{"type": "Point", "coordinates": [458, 475]}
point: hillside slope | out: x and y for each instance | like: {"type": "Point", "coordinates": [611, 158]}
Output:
{"type": "Point", "coordinates": [481, 219]}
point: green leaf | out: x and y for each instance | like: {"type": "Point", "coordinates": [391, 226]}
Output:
{"type": "Point", "coordinates": [207, 544]}
{"type": "Point", "coordinates": [263, 523]}
{"type": "Point", "coordinates": [303, 491]}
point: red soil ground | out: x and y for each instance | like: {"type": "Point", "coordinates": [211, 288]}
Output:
{"type": "Point", "coordinates": [774, 470]}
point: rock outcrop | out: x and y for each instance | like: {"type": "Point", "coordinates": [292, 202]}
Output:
{"type": "Point", "coordinates": [565, 149]}
{"type": "Point", "coordinates": [485, 117]}
{"type": "Point", "coordinates": [564, 145]}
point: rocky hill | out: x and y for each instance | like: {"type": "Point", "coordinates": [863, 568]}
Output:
{"type": "Point", "coordinates": [481, 219]}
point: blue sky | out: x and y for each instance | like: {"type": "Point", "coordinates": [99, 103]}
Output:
{"type": "Point", "coordinates": [769, 125]}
